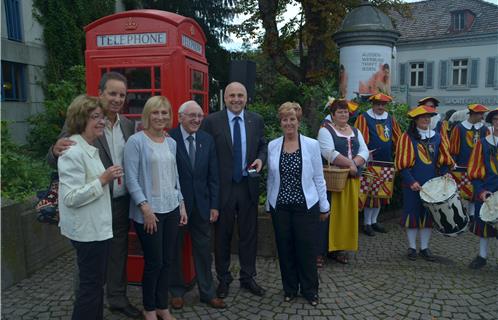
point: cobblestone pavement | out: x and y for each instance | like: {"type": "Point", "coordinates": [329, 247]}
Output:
{"type": "Point", "coordinates": [379, 283]}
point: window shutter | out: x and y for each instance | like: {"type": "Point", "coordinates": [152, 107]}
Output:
{"type": "Point", "coordinates": [429, 66]}
{"type": "Point", "coordinates": [402, 74]}
{"type": "Point", "coordinates": [443, 74]}
{"type": "Point", "coordinates": [491, 72]}
{"type": "Point", "coordinates": [474, 73]}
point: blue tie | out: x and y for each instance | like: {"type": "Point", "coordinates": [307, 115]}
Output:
{"type": "Point", "coordinates": [237, 151]}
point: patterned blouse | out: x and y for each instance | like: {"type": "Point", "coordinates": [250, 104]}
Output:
{"type": "Point", "coordinates": [291, 190]}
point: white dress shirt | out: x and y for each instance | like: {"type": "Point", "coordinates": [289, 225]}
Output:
{"type": "Point", "coordinates": [84, 205]}
{"type": "Point", "coordinates": [116, 141]}
{"type": "Point", "coordinates": [242, 125]}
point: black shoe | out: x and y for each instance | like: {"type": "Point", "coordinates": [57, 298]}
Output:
{"type": "Point", "coordinates": [222, 290]}
{"type": "Point", "coordinates": [253, 287]}
{"type": "Point", "coordinates": [412, 254]}
{"type": "Point", "coordinates": [427, 255]}
{"type": "Point", "coordinates": [129, 311]}
{"type": "Point", "coordinates": [367, 229]}
{"type": "Point", "coordinates": [477, 263]}
{"type": "Point", "coordinates": [379, 228]}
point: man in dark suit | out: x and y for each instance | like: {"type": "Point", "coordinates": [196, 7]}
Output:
{"type": "Point", "coordinates": [112, 91]}
{"type": "Point", "coordinates": [240, 145]}
{"type": "Point", "coordinates": [199, 182]}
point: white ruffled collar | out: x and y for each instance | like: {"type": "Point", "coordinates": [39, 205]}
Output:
{"type": "Point", "coordinates": [426, 134]}
{"type": "Point", "coordinates": [469, 125]}
{"type": "Point", "coordinates": [383, 116]}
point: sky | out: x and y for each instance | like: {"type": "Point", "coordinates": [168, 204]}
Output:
{"type": "Point", "coordinates": [236, 43]}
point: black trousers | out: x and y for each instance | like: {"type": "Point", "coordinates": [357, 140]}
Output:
{"type": "Point", "coordinates": [200, 232]}
{"type": "Point", "coordinates": [296, 228]}
{"type": "Point", "coordinates": [92, 266]}
{"type": "Point", "coordinates": [118, 253]}
{"type": "Point", "coordinates": [239, 208]}
{"type": "Point", "coordinates": [158, 255]}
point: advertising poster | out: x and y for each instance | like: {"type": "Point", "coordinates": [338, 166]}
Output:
{"type": "Point", "coordinates": [364, 70]}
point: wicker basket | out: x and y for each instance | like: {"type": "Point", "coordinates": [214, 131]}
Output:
{"type": "Point", "coordinates": [335, 178]}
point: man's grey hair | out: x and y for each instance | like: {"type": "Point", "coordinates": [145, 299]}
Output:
{"type": "Point", "coordinates": [184, 106]}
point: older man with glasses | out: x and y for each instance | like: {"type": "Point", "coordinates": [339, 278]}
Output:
{"type": "Point", "coordinates": [199, 182]}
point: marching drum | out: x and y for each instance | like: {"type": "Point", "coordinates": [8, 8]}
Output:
{"type": "Point", "coordinates": [441, 197]}
{"type": "Point", "coordinates": [489, 210]}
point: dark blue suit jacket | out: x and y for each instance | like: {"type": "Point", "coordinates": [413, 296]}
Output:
{"type": "Point", "coordinates": [199, 185]}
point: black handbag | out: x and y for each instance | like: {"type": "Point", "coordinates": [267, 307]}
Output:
{"type": "Point", "coordinates": [47, 207]}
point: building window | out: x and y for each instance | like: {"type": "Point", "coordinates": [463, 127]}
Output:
{"type": "Point", "coordinates": [417, 74]}
{"type": "Point", "coordinates": [13, 81]}
{"type": "Point", "coordinates": [458, 20]}
{"type": "Point", "coordinates": [459, 72]}
{"type": "Point", "coordinates": [13, 15]}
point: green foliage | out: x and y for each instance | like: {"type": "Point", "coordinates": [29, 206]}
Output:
{"type": "Point", "coordinates": [63, 34]}
{"type": "Point", "coordinates": [22, 175]}
{"type": "Point", "coordinates": [47, 125]}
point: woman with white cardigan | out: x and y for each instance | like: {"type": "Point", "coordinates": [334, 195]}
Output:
{"type": "Point", "coordinates": [297, 200]}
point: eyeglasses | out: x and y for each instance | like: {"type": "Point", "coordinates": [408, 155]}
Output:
{"type": "Point", "coordinates": [194, 115]}
{"type": "Point", "coordinates": [98, 116]}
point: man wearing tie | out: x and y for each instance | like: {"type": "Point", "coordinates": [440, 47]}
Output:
{"type": "Point", "coordinates": [199, 183]}
{"type": "Point", "coordinates": [240, 145]}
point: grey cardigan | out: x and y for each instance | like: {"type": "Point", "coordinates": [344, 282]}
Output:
{"type": "Point", "coordinates": [137, 172]}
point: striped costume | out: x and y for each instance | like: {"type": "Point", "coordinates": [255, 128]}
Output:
{"type": "Point", "coordinates": [419, 161]}
{"type": "Point", "coordinates": [483, 171]}
{"type": "Point", "coordinates": [381, 133]}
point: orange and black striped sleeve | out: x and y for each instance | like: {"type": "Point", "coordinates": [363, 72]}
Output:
{"type": "Point", "coordinates": [396, 131]}
{"type": "Point", "coordinates": [476, 168]}
{"type": "Point", "coordinates": [445, 158]}
{"type": "Point", "coordinates": [455, 141]}
{"type": "Point", "coordinates": [405, 153]}
{"type": "Point", "coordinates": [361, 124]}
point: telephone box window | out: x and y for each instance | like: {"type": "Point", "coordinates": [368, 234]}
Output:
{"type": "Point", "coordinates": [138, 78]}
{"type": "Point", "coordinates": [136, 102]}
{"type": "Point", "coordinates": [157, 77]}
{"type": "Point", "coordinates": [199, 98]}
{"type": "Point", "coordinates": [197, 80]}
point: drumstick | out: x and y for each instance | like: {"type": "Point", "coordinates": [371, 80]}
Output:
{"type": "Point", "coordinates": [427, 194]}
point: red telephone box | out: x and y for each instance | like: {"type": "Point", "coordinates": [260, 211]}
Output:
{"type": "Point", "coordinates": [160, 53]}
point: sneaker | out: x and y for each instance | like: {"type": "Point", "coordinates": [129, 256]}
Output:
{"type": "Point", "coordinates": [427, 255]}
{"type": "Point", "coordinates": [412, 254]}
{"type": "Point", "coordinates": [477, 263]}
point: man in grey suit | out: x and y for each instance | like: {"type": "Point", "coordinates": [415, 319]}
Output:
{"type": "Point", "coordinates": [112, 91]}
{"type": "Point", "coordinates": [240, 145]}
{"type": "Point", "coordinates": [199, 181]}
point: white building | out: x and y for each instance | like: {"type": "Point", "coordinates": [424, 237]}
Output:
{"type": "Point", "coordinates": [448, 49]}
{"type": "Point", "coordinates": [23, 57]}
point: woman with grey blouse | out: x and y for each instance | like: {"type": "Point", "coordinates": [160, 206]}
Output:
{"type": "Point", "coordinates": [156, 201]}
{"type": "Point", "coordinates": [297, 200]}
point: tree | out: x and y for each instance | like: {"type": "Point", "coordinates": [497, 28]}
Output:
{"type": "Point", "coordinates": [63, 34]}
{"type": "Point", "coordinates": [214, 17]}
{"type": "Point", "coordinates": [309, 33]}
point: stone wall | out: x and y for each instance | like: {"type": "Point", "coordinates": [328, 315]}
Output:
{"type": "Point", "coordinates": [27, 245]}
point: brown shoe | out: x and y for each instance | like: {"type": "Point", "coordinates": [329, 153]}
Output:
{"type": "Point", "coordinates": [217, 303]}
{"type": "Point", "coordinates": [177, 303]}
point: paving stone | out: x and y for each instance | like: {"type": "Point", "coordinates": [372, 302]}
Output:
{"type": "Point", "coordinates": [379, 283]}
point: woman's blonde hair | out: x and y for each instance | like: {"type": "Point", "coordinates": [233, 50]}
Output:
{"type": "Point", "coordinates": [78, 113]}
{"type": "Point", "coordinates": [154, 103]}
{"type": "Point", "coordinates": [290, 108]}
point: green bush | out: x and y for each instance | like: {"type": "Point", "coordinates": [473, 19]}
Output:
{"type": "Point", "coordinates": [22, 175]}
{"type": "Point", "coordinates": [46, 125]}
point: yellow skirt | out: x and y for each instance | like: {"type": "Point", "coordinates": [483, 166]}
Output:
{"type": "Point", "coordinates": [343, 227]}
